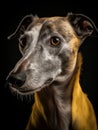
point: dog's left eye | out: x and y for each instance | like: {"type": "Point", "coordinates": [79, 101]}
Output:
{"type": "Point", "coordinates": [22, 42]}
{"type": "Point", "coordinates": [55, 41]}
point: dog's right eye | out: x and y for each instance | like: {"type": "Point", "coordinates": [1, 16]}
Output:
{"type": "Point", "coordinates": [55, 41]}
{"type": "Point", "coordinates": [22, 42]}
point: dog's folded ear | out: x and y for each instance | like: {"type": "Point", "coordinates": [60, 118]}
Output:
{"type": "Point", "coordinates": [25, 22]}
{"type": "Point", "coordinates": [82, 25]}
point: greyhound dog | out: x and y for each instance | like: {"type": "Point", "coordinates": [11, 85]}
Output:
{"type": "Point", "coordinates": [50, 69]}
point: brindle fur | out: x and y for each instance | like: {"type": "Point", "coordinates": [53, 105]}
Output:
{"type": "Point", "coordinates": [52, 73]}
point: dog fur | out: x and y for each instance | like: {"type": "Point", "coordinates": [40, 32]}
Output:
{"type": "Point", "coordinates": [54, 78]}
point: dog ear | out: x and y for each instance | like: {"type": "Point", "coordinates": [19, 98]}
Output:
{"type": "Point", "coordinates": [25, 22]}
{"type": "Point", "coordinates": [82, 25]}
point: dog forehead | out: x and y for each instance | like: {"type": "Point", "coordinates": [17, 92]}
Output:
{"type": "Point", "coordinates": [53, 23]}
{"type": "Point", "coordinates": [57, 25]}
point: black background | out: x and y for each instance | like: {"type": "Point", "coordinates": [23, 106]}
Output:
{"type": "Point", "coordinates": [13, 112]}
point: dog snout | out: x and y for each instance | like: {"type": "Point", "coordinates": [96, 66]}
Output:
{"type": "Point", "coordinates": [16, 79]}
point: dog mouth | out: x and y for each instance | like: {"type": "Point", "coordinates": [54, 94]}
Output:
{"type": "Point", "coordinates": [24, 90]}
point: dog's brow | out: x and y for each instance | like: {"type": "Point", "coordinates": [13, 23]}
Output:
{"type": "Point", "coordinates": [47, 29]}
{"type": "Point", "coordinates": [58, 27]}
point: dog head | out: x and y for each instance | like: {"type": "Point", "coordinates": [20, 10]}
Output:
{"type": "Point", "coordinates": [49, 48]}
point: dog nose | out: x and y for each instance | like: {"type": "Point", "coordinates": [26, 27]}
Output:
{"type": "Point", "coordinates": [17, 79]}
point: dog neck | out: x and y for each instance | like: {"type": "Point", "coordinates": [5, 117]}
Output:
{"type": "Point", "coordinates": [53, 104]}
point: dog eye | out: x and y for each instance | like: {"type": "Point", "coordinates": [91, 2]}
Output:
{"type": "Point", "coordinates": [22, 42]}
{"type": "Point", "coordinates": [55, 41]}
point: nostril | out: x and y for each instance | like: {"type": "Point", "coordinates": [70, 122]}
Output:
{"type": "Point", "coordinates": [17, 79]}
